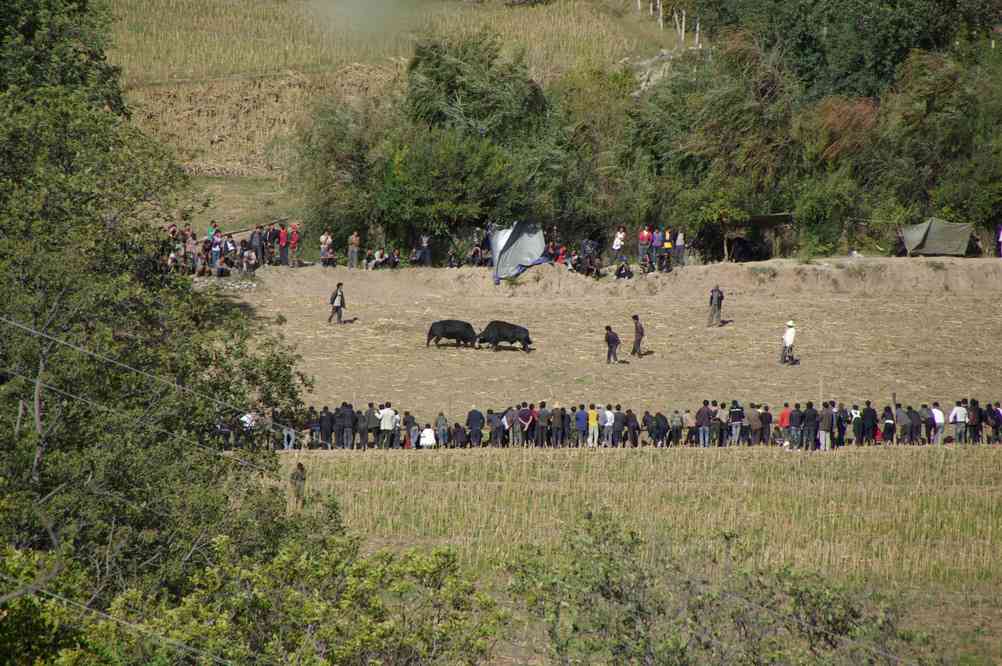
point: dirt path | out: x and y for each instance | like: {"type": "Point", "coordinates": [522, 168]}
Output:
{"type": "Point", "coordinates": [928, 329]}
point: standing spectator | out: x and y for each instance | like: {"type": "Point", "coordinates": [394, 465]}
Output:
{"type": "Point", "coordinates": [442, 429]}
{"type": "Point", "coordinates": [736, 418]}
{"type": "Point", "coordinates": [298, 480]}
{"type": "Point", "coordinates": [542, 423]}
{"type": "Point", "coordinates": [925, 414]}
{"type": "Point", "coordinates": [475, 424]}
{"type": "Point", "coordinates": [888, 418]}
{"type": "Point", "coordinates": [326, 420]}
{"type": "Point", "coordinates": [825, 426]}
{"type": "Point", "coordinates": [679, 248]}
{"type": "Point", "coordinates": [903, 425]}
{"type": "Point", "coordinates": [633, 428]}
{"type": "Point", "coordinates": [716, 306]}
{"type": "Point", "coordinates": [257, 244]}
{"type": "Point", "coordinates": [326, 249]}
{"type": "Point", "coordinates": [387, 425]}
{"type": "Point", "coordinates": [612, 343]}
{"type": "Point", "coordinates": [796, 425]}
{"type": "Point", "coordinates": [810, 432]}
{"type": "Point", "coordinates": [783, 423]}
{"type": "Point", "coordinates": [765, 417]}
{"type": "Point", "coordinates": [354, 243]}
{"type": "Point", "coordinates": [618, 425]}
{"type": "Point", "coordinates": [580, 426]}
{"type": "Point", "coordinates": [371, 432]}
{"type": "Point", "coordinates": [644, 238]}
{"type": "Point", "coordinates": [494, 428]}
{"type": "Point", "coordinates": [657, 241]}
{"type": "Point", "coordinates": [525, 418]}
{"type": "Point", "coordinates": [271, 244]}
{"type": "Point", "coordinates": [842, 421]}
{"type": "Point", "coordinates": [618, 241]}
{"type": "Point", "coordinates": [638, 336]}
{"type": "Point", "coordinates": [592, 426]}
{"type": "Point", "coordinates": [869, 422]}
{"type": "Point", "coordinates": [754, 419]}
{"type": "Point", "coordinates": [337, 303]}
{"type": "Point", "coordinates": [294, 245]}
{"type": "Point", "coordinates": [283, 245]}
{"type": "Point", "coordinates": [704, 417]}
{"type": "Point", "coordinates": [348, 426]}
{"type": "Point", "coordinates": [607, 420]}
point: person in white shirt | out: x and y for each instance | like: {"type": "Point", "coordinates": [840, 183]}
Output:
{"type": "Point", "coordinates": [427, 440]}
{"type": "Point", "coordinates": [679, 249]}
{"type": "Point", "coordinates": [387, 422]}
{"type": "Point", "coordinates": [608, 418]}
{"type": "Point", "coordinates": [939, 424]}
{"type": "Point", "coordinates": [788, 337]}
{"type": "Point", "coordinates": [958, 419]}
{"type": "Point", "coordinates": [617, 244]}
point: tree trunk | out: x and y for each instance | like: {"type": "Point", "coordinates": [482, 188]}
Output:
{"type": "Point", "coordinates": [640, 7]}
{"type": "Point", "coordinates": [40, 447]}
{"type": "Point", "coordinates": [20, 417]}
{"type": "Point", "coordinates": [699, 43]}
{"type": "Point", "coordinates": [661, 14]}
{"type": "Point", "coordinates": [682, 36]}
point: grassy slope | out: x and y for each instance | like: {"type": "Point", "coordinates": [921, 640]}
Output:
{"type": "Point", "coordinates": [916, 524]}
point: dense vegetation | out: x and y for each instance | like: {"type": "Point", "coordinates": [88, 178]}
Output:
{"type": "Point", "coordinates": [857, 119]}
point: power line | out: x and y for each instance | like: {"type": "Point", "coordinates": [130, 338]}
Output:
{"type": "Point", "coordinates": [229, 457]}
{"type": "Point", "coordinates": [106, 359]}
{"type": "Point", "coordinates": [176, 644]}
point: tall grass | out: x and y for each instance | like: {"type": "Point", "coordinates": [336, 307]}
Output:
{"type": "Point", "coordinates": [904, 517]}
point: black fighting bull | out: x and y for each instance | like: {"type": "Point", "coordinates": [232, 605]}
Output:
{"type": "Point", "coordinates": [500, 331]}
{"type": "Point", "coordinates": [452, 329]}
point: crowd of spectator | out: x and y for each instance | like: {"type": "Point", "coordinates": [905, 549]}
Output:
{"type": "Point", "coordinates": [797, 427]}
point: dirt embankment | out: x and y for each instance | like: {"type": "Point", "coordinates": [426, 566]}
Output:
{"type": "Point", "coordinates": [872, 277]}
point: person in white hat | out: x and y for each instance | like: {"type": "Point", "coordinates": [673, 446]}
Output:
{"type": "Point", "coordinates": [788, 337]}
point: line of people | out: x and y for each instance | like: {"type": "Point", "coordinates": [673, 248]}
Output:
{"type": "Point", "coordinates": [805, 427]}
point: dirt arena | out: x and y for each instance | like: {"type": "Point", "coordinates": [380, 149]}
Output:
{"type": "Point", "coordinates": [925, 329]}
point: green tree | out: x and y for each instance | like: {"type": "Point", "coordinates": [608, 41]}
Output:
{"type": "Point", "coordinates": [59, 43]}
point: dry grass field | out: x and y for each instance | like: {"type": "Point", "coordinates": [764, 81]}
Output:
{"type": "Point", "coordinates": [225, 82]}
{"type": "Point", "coordinates": [923, 329]}
{"type": "Point", "coordinates": [920, 524]}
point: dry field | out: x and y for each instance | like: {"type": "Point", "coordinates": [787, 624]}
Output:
{"type": "Point", "coordinates": [923, 329]}
{"type": "Point", "coordinates": [225, 82]}
{"type": "Point", "coordinates": [922, 525]}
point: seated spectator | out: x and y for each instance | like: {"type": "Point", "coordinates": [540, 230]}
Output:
{"type": "Point", "coordinates": [646, 266]}
{"type": "Point", "coordinates": [427, 440]}
{"type": "Point", "coordinates": [475, 256]}
{"type": "Point", "coordinates": [393, 261]}
{"type": "Point", "coordinates": [224, 267]}
{"type": "Point", "coordinates": [249, 258]}
{"type": "Point", "coordinates": [370, 261]}
{"type": "Point", "coordinates": [561, 258]}
{"type": "Point", "coordinates": [550, 252]}
{"type": "Point", "coordinates": [378, 260]}
{"type": "Point", "coordinates": [624, 272]}
{"type": "Point", "coordinates": [453, 261]}
{"type": "Point", "coordinates": [415, 258]}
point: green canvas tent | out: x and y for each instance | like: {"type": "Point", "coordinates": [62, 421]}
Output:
{"type": "Point", "coordinates": [937, 237]}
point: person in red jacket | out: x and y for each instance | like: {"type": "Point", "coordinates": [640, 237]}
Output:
{"type": "Point", "coordinates": [283, 245]}
{"type": "Point", "coordinates": [784, 422]}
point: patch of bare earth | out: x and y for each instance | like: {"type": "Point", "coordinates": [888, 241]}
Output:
{"type": "Point", "coordinates": [923, 329]}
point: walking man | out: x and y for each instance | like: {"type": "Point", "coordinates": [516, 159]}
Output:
{"type": "Point", "coordinates": [716, 304]}
{"type": "Point", "coordinates": [788, 337]}
{"type": "Point", "coordinates": [638, 336]}
{"type": "Point", "coordinates": [337, 303]}
{"type": "Point", "coordinates": [612, 342]}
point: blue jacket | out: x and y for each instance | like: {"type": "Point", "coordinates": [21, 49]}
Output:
{"type": "Point", "coordinates": [581, 421]}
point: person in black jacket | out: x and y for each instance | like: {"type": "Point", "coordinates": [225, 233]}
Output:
{"type": "Point", "coordinates": [810, 429]}
{"type": "Point", "coordinates": [326, 427]}
{"type": "Point", "coordinates": [766, 418]}
{"type": "Point", "coordinates": [475, 423]}
{"type": "Point", "coordinates": [633, 428]}
{"type": "Point", "coordinates": [618, 425]}
{"type": "Point", "coordinates": [612, 343]}
{"type": "Point", "coordinates": [869, 419]}
{"type": "Point", "coordinates": [360, 428]}
{"type": "Point", "coordinates": [796, 426]}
